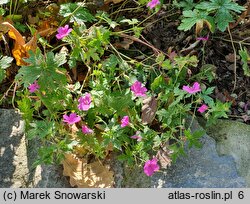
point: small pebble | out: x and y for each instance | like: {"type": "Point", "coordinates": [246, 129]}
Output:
{"type": "Point", "coordinates": [248, 112]}
{"type": "Point", "coordinates": [242, 104]}
{"type": "Point", "coordinates": [234, 95]}
{"type": "Point", "coordinates": [240, 110]}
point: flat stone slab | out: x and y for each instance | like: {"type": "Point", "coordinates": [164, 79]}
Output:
{"type": "Point", "coordinates": [202, 168]}
{"type": "Point", "coordinates": [233, 138]}
{"type": "Point", "coordinates": [13, 160]}
{"type": "Point", "coordinates": [17, 157]}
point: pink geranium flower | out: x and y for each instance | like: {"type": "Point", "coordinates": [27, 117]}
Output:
{"type": "Point", "coordinates": [84, 102]}
{"type": "Point", "coordinates": [153, 3]}
{"type": "Point", "coordinates": [193, 89]}
{"type": "Point", "coordinates": [203, 38]}
{"type": "Point", "coordinates": [203, 108]}
{"type": "Point", "coordinates": [137, 136]}
{"type": "Point", "coordinates": [125, 121]}
{"type": "Point", "coordinates": [33, 87]}
{"type": "Point", "coordinates": [151, 166]}
{"type": "Point", "coordinates": [86, 130]}
{"type": "Point", "coordinates": [138, 89]}
{"type": "Point", "coordinates": [71, 119]}
{"type": "Point", "coordinates": [63, 32]}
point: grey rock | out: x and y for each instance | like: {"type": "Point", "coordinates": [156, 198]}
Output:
{"type": "Point", "coordinates": [17, 156]}
{"type": "Point", "coordinates": [242, 104]}
{"type": "Point", "coordinates": [13, 160]}
{"type": "Point", "coordinates": [233, 138]}
{"type": "Point", "coordinates": [234, 96]}
{"type": "Point", "coordinates": [201, 168]}
{"type": "Point", "coordinates": [128, 176]}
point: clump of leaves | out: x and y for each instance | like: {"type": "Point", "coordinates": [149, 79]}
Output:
{"type": "Point", "coordinates": [76, 12]}
{"type": "Point", "coordinates": [155, 98]}
{"type": "Point", "coordinates": [214, 13]}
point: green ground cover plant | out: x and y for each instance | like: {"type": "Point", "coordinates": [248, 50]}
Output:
{"type": "Point", "coordinates": [138, 108]}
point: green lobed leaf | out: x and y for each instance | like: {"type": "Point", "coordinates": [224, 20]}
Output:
{"type": "Point", "coordinates": [28, 74]}
{"type": "Point", "coordinates": [44, 69]}
{"type": "Point", "coordinates": [166, 64]}
{"type": "Point", "coordinates": [208, 91]}
{"type": "Point", "coordinates": [2, 11]}
{"type": "Point", "coordinates": [2, 75]}
{"type": "Point", "coordinates": [245, 58]}
{"type": "Point", "coordinates": [41, 129]}
{"type": "Point", "coordinates": [208, 6]}
{"type": "Point", "coordinates": [76, 12]}
{"type": "Point", "coordinates": [158, 83]}
{"type": "Point", "coordinates": [132, 21]}
{"type": "Point", "coordinates": [5, 62]}
{"type": "Point", "coordinates": [4, 2]}
{"type": "Point", "coordinates": [230, 5]}
{"type": "Point", "coordinates": [193, 137]}
{"type": "Point", "coordinates": [186, 4]}
{"type": "Point", "coordinates": [25, 106]}
{"type": "Point", "coordinates": [222, 10]}
{"type": "Point", "coordinates": [223, 18]}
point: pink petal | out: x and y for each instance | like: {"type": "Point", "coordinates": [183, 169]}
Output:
{"type": "Point", "coordinates": [84, 102]}
{"type": "Point", "coordinates": [71, 119]}
{"type": "Point", "coordinates": [33, 87]}
{"type": "Point", "coordinates": [203, 108]}
{"type": "Point", "coordinates": [195, 88]}
{"type": "Point", "coordinates": [125, 121]}
{"type": "Point", "coordinates": [63, 31]}
{"type": "Point", "coordinates": [203, 38]}
{"type": "Point", "coordinates": [187, 89]}
{"type": "Point", "coordinates": [151, 166]}
{"type": "Point", "coordinates": [137, 136]}
{"type": "Point", "coordinates": [66, 27]}
{"type": "Point", "coordinates": [138, 89]}
{"type": "Point", "coordinates": [153, 3]}
{"type": "Point", "coordinates": [86, 130]}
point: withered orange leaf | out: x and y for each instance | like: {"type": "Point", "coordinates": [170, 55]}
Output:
{"type": "Point", "coordinates": [21, 48]}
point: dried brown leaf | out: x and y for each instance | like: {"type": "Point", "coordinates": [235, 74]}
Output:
{"type": "Point", "coordinates": [199, 27]}
{"type": "Point", "coordinates": [113, 1]}
{"type": "Point", "coordinates": [231, 57]}
{"type": "Point", "coordinates": [245, 118]}
{"type": "Point", "coordinates": [84, 175]}
{"type": "Point", "coordinates": [163, 156]}
{"type": "Point", "coordinates": [149, 110]}
{"type": "Point", "coordinates": [33, 19]}
{"type": "Point", "coordinates": [47, 27]}
{"type": "Point", "coordinates": [4, 28]}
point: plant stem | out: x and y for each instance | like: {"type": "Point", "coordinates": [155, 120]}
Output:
{"type": "Point", "coordinates": [235, 74]}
